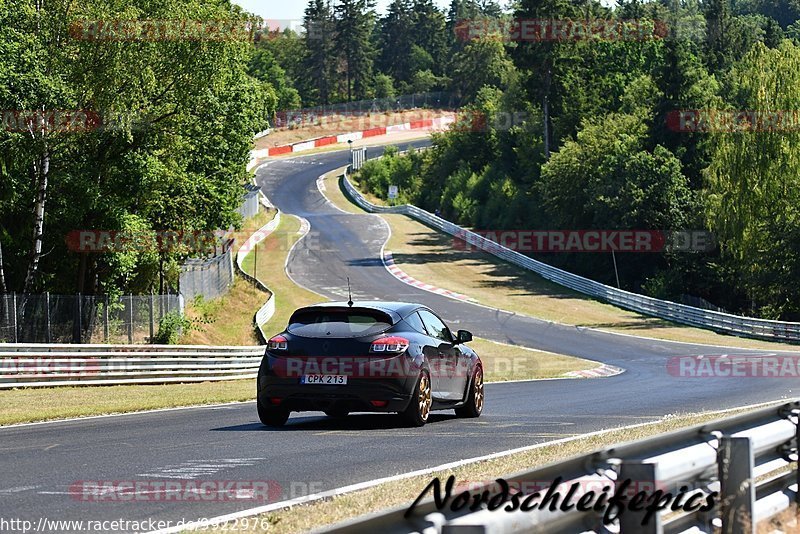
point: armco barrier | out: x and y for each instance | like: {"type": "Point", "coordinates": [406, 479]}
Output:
{"type": "Point", "coordinates": [748, 460]}
{"type": "Point", "coordinates": [671, 311]}
{"type": "Point", "coordinates": [266, 311]}
{"type": "Point", "coordinates": [37, 365]}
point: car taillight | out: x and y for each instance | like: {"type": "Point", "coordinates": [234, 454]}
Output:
{"type": "Point", "coordinates": [389, 344]}
{"type": "Point", "coordinates": [277, 343]}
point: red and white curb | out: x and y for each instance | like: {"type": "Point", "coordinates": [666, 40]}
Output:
{"type": "Point", "coordinates": [602, 371]}
{"type": "Point", "coordinates": [437, 124]}
{"type": "Point", "coordinates": [388, 262]}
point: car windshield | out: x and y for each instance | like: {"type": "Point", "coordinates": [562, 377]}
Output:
{"type": "Point", "coordinates": [338, 323]}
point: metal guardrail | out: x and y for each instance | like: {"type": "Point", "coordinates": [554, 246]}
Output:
{"type": "Point", "coordinates": [671, 311]}
{"type": "Point", "coordinates": [266, 311]}
{"type": "Point", "coordinates": [750, 460]}
{"type": "Point", "coordinates": [37, 365]}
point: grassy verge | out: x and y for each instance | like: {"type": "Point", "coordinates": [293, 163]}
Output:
{"type": "Point", "coordinates": [228, 320]}
{"type": "Point", "coordinates": [317, 514]}
{"type": "Point", "coordinates": [430, 256]}
{"type": "Point", "coordinates": [45, 404]}
{"type": "Point", "coordinates": [508, 362]}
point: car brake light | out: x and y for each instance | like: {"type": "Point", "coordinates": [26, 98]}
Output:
{"type": "Point", "coordinates": [389, 344]}
{"type": "Point", "coordinates": [277, 343]}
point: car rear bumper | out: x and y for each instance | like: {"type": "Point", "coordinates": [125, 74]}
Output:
{"type": "Point", "coordinates": [361, 393]}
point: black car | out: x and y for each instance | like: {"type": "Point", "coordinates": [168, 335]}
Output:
{"type": "Point", "coordinates": [369, 357]}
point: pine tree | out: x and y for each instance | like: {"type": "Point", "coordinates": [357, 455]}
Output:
{"type": "Point", "coordinates": [396, 41]}
{"type": "Point", "coordinates": [320, 59]}
{"type": "Point", "coordinates": [719, 33]}
{"type": "Point", "coordinates": [539, 59]}
{"type": "Point", "coordinates": [429, 29]}
{"type": "Point", "coordinates": [355, 20]}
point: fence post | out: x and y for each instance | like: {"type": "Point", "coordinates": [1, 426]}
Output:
{"type": "Point", "coordinates": [737, 490]}
{"type": "Point", "coordinates": [47, 315]}
{"type": "Point", "coordinates": [79, 322]}
{"type": "Point", "coordinates": [105, 320]}
{"type": "Point", "coordinates": [130, 319]}
{"type": "Point", "coordinates": [14, 306]}
{"type": "Point", "coordinates": [152, 324]}
{"type": "Point", "coordinates": [76, 320]}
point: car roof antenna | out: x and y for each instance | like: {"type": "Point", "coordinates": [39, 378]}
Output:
{"type": "Point", "coordinates": [349, 293]}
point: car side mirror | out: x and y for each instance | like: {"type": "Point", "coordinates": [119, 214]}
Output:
{"type": "Point", "coordinates": [464, 336]}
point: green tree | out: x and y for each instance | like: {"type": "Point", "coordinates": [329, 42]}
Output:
{"type": "Point", "coordinates": [606, 179]}
{"type": "Point", "coordinates": [355, 20]}
{"type": "Point", "coordinates": [319, 61]}
{"type": "Point", "coordinates": [396, 41]}
{"type": "Point", "coordinates": [754, 181]}
{"type": "Point", "coordinates": [429, 29]}
{"type": "Point", "coordinates": [178, 118]}
{"type": "Point", "coordinates": [483, 62]}
{"type": "Point", "coordinates": [265, 68]}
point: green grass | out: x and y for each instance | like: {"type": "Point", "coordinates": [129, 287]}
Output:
{"type": "Point", "coordinates": [45, 404]}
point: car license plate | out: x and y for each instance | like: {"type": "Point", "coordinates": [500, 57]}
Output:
{"type": "Point", "coordinates": [333, 380]}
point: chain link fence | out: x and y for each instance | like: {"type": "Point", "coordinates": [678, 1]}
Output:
{"type": "Point", "coordinates": [250, 205]}
{"type": "Point", "coordinates": [435, 100]}
{"type": "Point", "coordinates": [83, 318]}
{"type": "Point", "coordinates": [211, 277]}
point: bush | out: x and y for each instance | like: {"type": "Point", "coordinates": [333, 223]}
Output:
{"type": "Point", "coordinates": [171, 327]}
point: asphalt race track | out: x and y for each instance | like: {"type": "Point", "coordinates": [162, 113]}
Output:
{"type": "Point", "coordinates": [40, 463]}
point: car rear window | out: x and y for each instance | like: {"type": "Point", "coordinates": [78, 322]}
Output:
{"type": "Point", "coordinates": [338, 323]}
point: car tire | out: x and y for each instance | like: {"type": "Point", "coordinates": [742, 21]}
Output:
{"type": "Point", "coordinates": [475, 398]}
{"type": "Point", "coordinates": [275, 417]}
{"type": "Point", "coordinates": [419, 409]}
{"type": "Point", "coordinates": [337, 414]}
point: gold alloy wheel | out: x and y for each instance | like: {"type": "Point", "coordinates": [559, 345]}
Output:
{"type": "Point", "coordinates": [479, 390]}
{"type": "Point", "coordinates": [424, 397]}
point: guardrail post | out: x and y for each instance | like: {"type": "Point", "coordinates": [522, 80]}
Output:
{"type": "Point", "coordinates": [47, 316]}
{"type": "Point", "coordinates": [105, 320]}
{"type": "Point", "coordinates": [130, 319]}
{"type": "Point", "coordinates": [152, 318]}
{"type": "Point", "coordinates": [76, 321]}
{"type": "Point", "coordinates": [737, 490]}
{"type": "Point", "coordinates": [14, 307]}
{"type": "Point", "coordinates": [642, 477]}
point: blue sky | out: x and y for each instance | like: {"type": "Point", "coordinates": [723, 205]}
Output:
{"type": "Point", "coordinates": [293, 9]}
